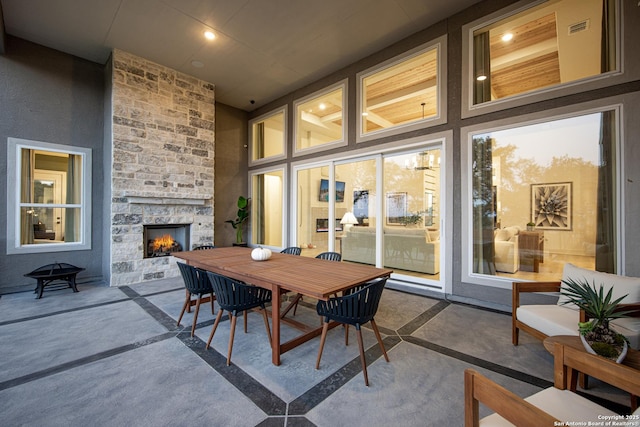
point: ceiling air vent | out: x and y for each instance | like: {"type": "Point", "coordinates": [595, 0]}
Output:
{"type": "Point", "coordinates": [579, 27]}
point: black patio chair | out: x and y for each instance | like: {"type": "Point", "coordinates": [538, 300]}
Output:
{"type": "Point", "coordinates": [197, 283]}
{"type": "Point", "coordinates": [357, 307]}
{"type": "Point", "coordinates": [236, 297]}
{"type": "Point", "coordinates": [330, 256]}
{"type": "Point", "coordinates": [292, 250]}
{"type": "Point", "coordinates": [203, 247]}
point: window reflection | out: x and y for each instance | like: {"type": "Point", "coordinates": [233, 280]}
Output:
{"type": "Point", "coordinates": [542, 196]}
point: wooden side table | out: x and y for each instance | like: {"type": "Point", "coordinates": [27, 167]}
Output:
{"type": "Point", "coordinates": [531, 249]}
{"type": "Point", "coordinates": [632, 359]}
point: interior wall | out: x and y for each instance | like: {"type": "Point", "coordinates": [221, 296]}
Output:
{"type": "Point", "coordinates": [52, 97]}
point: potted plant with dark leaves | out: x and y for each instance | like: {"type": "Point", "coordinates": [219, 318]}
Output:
{"type": "Point", "coordinates": [596, 334]}
{"type": "Point", "coordinates": [241, 217]}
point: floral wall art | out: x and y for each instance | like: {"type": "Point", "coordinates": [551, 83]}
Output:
{"type": "Point", "coordinates": [551, 206]}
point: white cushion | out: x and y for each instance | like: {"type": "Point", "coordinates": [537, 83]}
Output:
{"type": "Point", "coordinates": [561, 404]}
{"type": "Point", "coordinates": [550, 319]}
{"type": "Point", "coordinates": [622, 285]}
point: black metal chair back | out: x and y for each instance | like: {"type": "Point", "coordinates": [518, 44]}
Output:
{"type": "Point", "coordinates": [235, 296]}
{"type": "Point", "coordinates": [356, 307]}
{"type": "Point", "coordinates": [203, 247]}
{"type": "Point", "coordinates": [196, 283]}
{"type": "Point", "coordinates": [195, 280]}
{"type": "Point", "coordinates": [330, 256]}
{"type": "Point", "coordinates": [291, 250]}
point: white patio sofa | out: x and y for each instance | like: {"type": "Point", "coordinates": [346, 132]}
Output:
{"type": "Point", "coordinates": [546, 320]}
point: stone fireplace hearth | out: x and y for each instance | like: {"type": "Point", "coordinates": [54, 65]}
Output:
{"type": "Point", "coordinates": [162, 165]}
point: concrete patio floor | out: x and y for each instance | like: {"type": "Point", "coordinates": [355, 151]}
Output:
{"type": "Point", "coordinates": [114, 357]}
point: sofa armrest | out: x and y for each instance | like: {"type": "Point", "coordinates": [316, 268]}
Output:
{"type": "Point", "coordinates": [480, 389]}
{"type": "Point", "coordinates": [632, 309]}
{"type": "Point", "coordinates": [520, 287]}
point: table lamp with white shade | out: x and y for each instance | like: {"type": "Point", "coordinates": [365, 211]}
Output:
{"type": "Point", "coordinates": [348, 220]}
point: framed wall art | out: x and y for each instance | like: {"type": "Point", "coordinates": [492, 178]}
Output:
{"type": "Point", "coordinates": [396, 208]}
{"type": "Point", "coordinates": [551, 206]}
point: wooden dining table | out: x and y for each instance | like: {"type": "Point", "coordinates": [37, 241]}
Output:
{"type": "Point", "coordinates": [312, 277]}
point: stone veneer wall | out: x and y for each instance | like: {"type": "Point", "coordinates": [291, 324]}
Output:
{"type": "Point", "coordinates": [163, 162]}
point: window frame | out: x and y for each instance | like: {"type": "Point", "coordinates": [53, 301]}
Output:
{"type": "Point", "coordinates": [621, 73]}
{"type": "Point", "coordinates": [254, 162]}
{"type": "Point", "coordinates": [467, 134]}
{"type": "Point", "coordinates": [14, 151]}
{"type": "Point", "coordinates": [342, 141]}
{"type": "Point", "coordinates": [440, 44]}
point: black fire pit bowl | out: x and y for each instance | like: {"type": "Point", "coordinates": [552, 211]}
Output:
{"type": "Point", "coordinates": [53, 274]}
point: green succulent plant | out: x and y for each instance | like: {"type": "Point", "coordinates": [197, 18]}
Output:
{"type": "Point", "coordinates": [600, 308]}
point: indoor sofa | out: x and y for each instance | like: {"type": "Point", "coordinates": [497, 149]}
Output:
{"type": "Point", "coordinates": [412, 249]}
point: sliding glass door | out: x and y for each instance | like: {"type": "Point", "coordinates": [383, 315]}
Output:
{"type": "Point", "coordinates": [383, 210]}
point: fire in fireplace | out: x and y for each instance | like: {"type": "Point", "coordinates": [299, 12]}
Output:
{"type": "Point", "coordinates": [162, 240]}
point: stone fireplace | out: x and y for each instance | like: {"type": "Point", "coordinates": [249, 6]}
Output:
{"type": "Point", "coordinates": [162, 164]}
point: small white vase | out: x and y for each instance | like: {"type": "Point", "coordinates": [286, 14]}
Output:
{"type": "Point", "coordinates": [620, 358]}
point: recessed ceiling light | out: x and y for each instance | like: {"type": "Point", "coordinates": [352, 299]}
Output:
{"type": "Point", "coordinates": [481, 78]}
{"type": "Point", "coordinates": [506, 37]}
{"type": "Point", "coordinates": [322, 106]}
{"type": "Point", "coordinates": [209, 35]}
{"type": "Point", "coordinates": [197, 64]}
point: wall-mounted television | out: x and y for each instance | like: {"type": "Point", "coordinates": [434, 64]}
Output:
{"type": "Point", "coordinates": [324, 191]}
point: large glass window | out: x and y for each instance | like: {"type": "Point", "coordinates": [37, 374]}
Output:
{"type": "Point", "coordinates": [543, 195]}
{"type": "Point", "coordinates": [50, 208]}
{"type": "Point", "coordinates": [553, 43]}
{"type": "Point", "coordinates": [267, 136]}
{"type": "Point", "coordinates": [267, 196]}
{"type": "Point", "coordinates": [321, 120]}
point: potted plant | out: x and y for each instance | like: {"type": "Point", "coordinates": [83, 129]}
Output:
{"type": "Point", "coordinates": [241, 218]}
{"type": "Point", "coordinates": [531, 226]}
{"type": "Point", "coordinates": [596, 334]}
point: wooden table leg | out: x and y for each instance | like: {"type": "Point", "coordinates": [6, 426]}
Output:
{"type": "Point", "coordinates": [275, 325]}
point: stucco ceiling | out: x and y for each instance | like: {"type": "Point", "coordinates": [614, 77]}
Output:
{"type": "Point", "coordinates": [263, 49]}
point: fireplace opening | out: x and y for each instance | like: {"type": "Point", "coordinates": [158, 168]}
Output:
{"type": "Point", "coordinates": [163, 240]}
